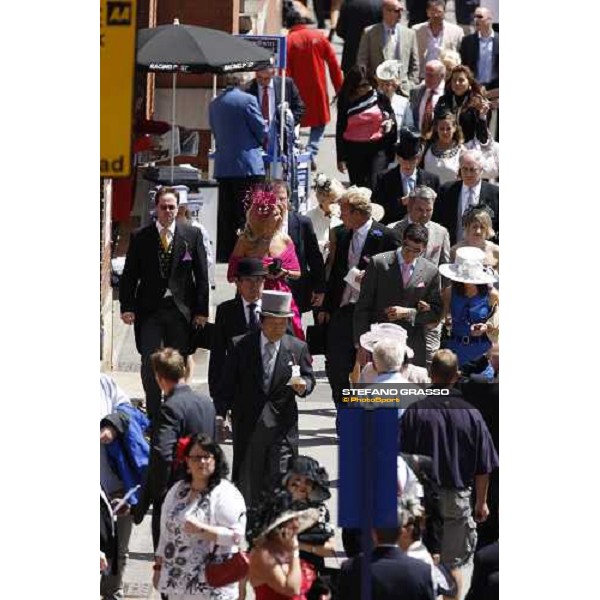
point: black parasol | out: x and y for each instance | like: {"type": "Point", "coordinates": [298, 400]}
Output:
{"type": "Point", "coordinates": [180, 48]}
{"type": "Point", "coordinates": [192, 49]}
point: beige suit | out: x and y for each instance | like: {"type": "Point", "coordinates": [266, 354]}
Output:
{"type": "Point", "coordinates": [370, 54]}
{"type": "Point", "coordinates": [452, 36]}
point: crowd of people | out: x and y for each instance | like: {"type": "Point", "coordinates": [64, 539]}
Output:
{"type": "Point", "coordinates": [398, 272]}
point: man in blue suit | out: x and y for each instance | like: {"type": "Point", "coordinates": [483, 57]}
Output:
{"type": "Point", "coordinates": [238, 127]}
{"type": "Point", "coordinates": [394, 574]}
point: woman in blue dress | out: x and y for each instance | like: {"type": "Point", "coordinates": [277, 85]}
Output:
{"type": "Point", "coordinates": [470, 303]}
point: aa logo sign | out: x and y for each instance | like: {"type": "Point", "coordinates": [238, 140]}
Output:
{"type": "Point", "coordinates": [117, 68]}
{"type": "Point", "coordinates": [118, 13]}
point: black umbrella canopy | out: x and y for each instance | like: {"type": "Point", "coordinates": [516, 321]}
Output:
{"type": "Point", "coordinates": [191, 49]}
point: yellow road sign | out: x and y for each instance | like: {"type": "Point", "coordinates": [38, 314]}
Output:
{"type": "Point", "coordinates": [117, 68]}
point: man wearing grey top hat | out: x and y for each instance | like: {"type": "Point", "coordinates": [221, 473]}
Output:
{"type": "Point", "coordinates": [263, 374]}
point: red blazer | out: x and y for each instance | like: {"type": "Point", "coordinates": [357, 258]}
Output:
{"type": "Point", "coordinates": [307, 52]}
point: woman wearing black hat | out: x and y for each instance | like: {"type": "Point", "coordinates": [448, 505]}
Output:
{"type": "Point", "coordinates": [276, 571]}
{"type": "Point", "coordinates": [308, 483]}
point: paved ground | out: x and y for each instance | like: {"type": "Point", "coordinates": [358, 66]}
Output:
{"type": "Point", "coordinates": [317, 425]}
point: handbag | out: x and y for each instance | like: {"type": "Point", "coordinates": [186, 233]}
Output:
{"type": "Point", "coordinates": [316, 337]}
{"type": "Point", "coordinates": [223, 573]}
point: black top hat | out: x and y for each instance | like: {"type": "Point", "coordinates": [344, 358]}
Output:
{"type": "Point", "coordinates": [409, 145]}
{"type": "Point", "coordinates": [250, 267]}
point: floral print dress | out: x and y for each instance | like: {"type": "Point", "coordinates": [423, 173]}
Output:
{"type": "Point", "coordinates": [184, 556]}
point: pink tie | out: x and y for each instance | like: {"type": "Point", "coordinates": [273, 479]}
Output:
{"type": "Point", "coordinates": [405, 274]}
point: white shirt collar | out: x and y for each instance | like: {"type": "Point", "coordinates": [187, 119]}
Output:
{"type": "Point", "coordinates": [401, 260]}
{"type": "Point", "coordinates": [488, 37]}
{"type": "Point", "coordinates": [413, 175]}
{"type": "Point", "coordinates": [171, 227]}
{"type": "Point", "coordinates": [476, 189]}
{"type": "Point", "coordinates": [264, 341]}
{"type": "Point", "coordinates": [247, 304]}
{"type": "Point", "coordinates": [364, 229]}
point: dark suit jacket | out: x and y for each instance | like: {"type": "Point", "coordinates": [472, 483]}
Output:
{"type": "Point", "coordinates": [382, 286]}
{"type": "Point", "coordinates": [230, 322]}
{"type": "Point", "coordinates": [142, 289]}
{"type": "Point", "coordinates": [242, 391]}
{"type": "Point", "coordinates": [292, 96]}
{"type": "Point", "coordinates": [183, 413]}
{"type": "Point", "coordinates": [388, 191]}
{"type": "Point", "coordinates": [379, 239]}
{"type": "Point", "coordinates": [355, 15]}
{"type": "Point", "coordinates": [302, 232]}
{"type": "Point", "coordinates": [469, 53]}
{"type": "Point", "coordinates": [395, 576]}
{"type": "Point", "coordinates": [447, 205]}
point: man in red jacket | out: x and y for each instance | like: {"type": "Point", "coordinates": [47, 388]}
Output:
{"type": "Point", "coordinates": [307, 52]}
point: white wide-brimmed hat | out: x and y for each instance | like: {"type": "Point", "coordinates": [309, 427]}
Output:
{"type": "Point", "coordinates": [380, 331]}
{"type": "Point", "coordinates": [388, 70]}
{"type": "Point", "coordinates": [468, 267]}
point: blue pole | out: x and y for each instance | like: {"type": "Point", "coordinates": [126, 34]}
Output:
{"type": "Point", "coordinates": [368, 497]}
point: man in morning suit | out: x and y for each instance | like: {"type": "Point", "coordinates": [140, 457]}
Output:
{"type": "Point", "coordinates": [238, 127]}
{"type": "Point", "coordinates": [265, 371]}
{"type": "Point", "coordinates": [401, 287]}
{"type": "Point", "coordinates": [164, 288]}
{"type": "Point", "coordinates": [394, 186]}
{"type": "Point", "coordinates": [358, 241]}
{"type": "Point", "coordinates": [456, 196]}
{"type": "Point", "coordinates": [389, 40]}
{"type": "Point", "coordinates": [309, 290]}
{"type": "Point", "coordinates": [183, 413]}
{"type": "Point", "coordinates": [394, 574]}
{"type": "Point", "coordinates": [236, 317]}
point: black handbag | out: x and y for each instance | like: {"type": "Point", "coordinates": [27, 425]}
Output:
{"type": "Point", "coordinates": [202, 337]}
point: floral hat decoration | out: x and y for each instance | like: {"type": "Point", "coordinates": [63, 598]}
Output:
{"type": "Point", "coordinates": [260, 199]}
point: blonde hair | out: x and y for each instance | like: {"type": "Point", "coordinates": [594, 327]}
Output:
{"type": "Point", "coordinates": [449, 56]}
{"type": "Point", "coordinates": [358, 198]}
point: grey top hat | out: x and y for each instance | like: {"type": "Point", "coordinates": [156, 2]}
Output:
{"type": "Point", "coordinates": [276, 304]}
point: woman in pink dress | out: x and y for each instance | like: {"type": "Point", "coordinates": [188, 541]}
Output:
{"type": "Point", "coordinates": [263, 238]}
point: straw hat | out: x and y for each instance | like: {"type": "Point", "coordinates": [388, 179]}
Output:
{"type": "Point", "coordinates": [388, 70]}
{"type": "Point", "coordinates": [377, 211]}
{"type": "Point", "coordinates": [468, 267]}
{"type": "Point", "coordinates": [379, 331]}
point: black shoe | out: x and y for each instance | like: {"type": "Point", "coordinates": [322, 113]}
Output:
{"type": "Point", "coordinates": [313, 164]}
